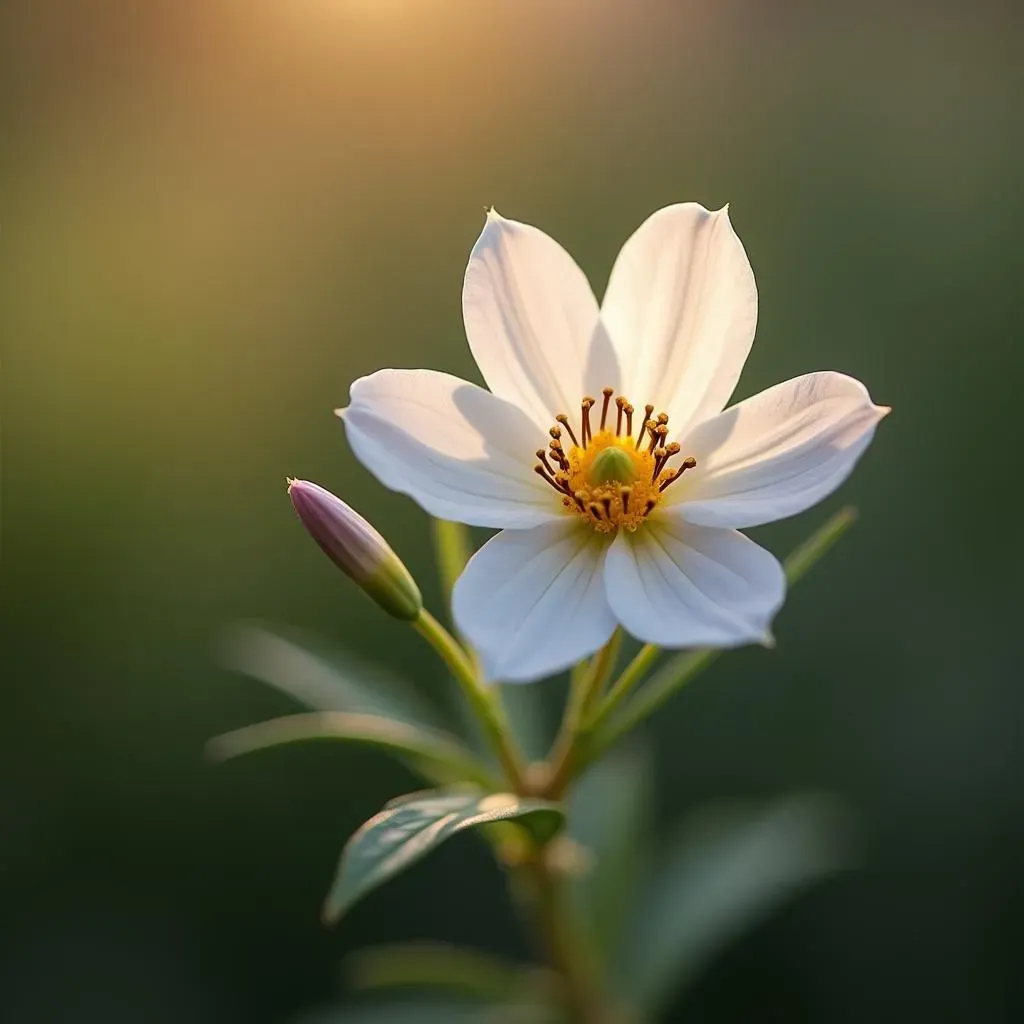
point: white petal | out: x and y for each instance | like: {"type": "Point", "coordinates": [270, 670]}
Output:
{"type": "Point", "coordinates": [532, 322]}
{"type": "Point", "coordinates": [681, 309]}
{"type": "Point", "coordinates": [533, 601]}
{"type": "Point", "coordinates": [456, 449]}
{"type": "Point", "coordinates": [777, 453]}
{"type": "Point", "coordinates": [679, 585]}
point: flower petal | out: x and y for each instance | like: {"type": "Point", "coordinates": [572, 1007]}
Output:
{"type": "Point", "coordinates": [679, 585]}
{"type": "Point", "coordinates": [456, 449]}
{"type": "Point", "coordinates": [532, 321]}
{"type": "Point", "coordinates": [533, 601]}
{"type": "Point", "coordinates": [777, 453]}
{"type": "Point", "coordinates": [681, 308]}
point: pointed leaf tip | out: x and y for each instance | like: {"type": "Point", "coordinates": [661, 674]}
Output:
{"type": "Point", "coordinates": [411, 826]}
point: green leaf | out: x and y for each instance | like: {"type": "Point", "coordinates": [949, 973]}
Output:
{"type": "Point", "coordinates": [324, 682]}
{"type": "Point", "coordinates": [436, 749]}
{"type": "Point", "coordinates": [434, 965]}
{"type": "Point", "coordinates": [412, 825]}
{"type": "Point", "coordinates": [609, 813]}
{"type": "Point", "coordinates": [727, 870]}
{"type": "Point", "coordinates": [418, 1012]}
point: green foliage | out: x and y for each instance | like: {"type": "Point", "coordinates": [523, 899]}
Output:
{"type": "Point", "coordinates": [609, 811]}
{"type": "Point", "coordinates": [727, 869]}
{"type": "Point", "coordinates": [324, 681]}
{"type": "Point", "coordinates": [432, 1011]}
{"type": "Point", "coordinates": [411, 826]}
{"type": "Point", "coordinates": [420, 746]}
{"type": "Point", "coordinates": [465, 972]}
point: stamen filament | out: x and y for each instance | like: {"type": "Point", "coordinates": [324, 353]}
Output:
{"type": "Point", "coordinates": [585, 420]}
{"type": "Point", "coordinates": [688, 463]}
{"type": "Point", "coordinates": [607, 392]}
{"type": "Point", "coordinates": [564, 420]}
{"type": "Point", "coordinates": [644, 427]}
{"type": "Point", "coordinates": [600, 477]}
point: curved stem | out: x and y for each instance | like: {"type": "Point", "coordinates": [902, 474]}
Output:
{"type": "Point", "coordinates": [623, 686]}
{"type": "Point", "coordinates": [586, 687]}
{"type": "Point", "coordinates": [487, 709]}
{"type": "Point", "coordinates": [453, 549]}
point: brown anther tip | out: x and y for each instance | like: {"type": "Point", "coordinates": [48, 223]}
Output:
{"type": "Point", "coordinates": [672, 449]}
{"type": "Point", "coordinates": [660, 453]}
{"type": "Point", "coordinates": [663, 417]}
{"type": "Point", "coordinates": [648, 409]}
{"type": "Point", "coordinates": [588, 401]}
{"type": "Point", "coordinates": [620, 402]}
{"type": "Point", "coordinates": [689, 462]}
{"type": "Point", "coordinates": [628, 407]}
{"type": "Point", "coordinates": [554, 431]}
{"type": "Point", "coordinates": [608, 392]}
{"type": "Point", "coordinates": [541, 453]}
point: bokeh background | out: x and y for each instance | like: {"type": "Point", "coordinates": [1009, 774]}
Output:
{"type": "Point", "coordinates": [217, 214]}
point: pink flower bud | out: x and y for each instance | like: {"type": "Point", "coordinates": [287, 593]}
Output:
{"type": "Point", "coordinates": [356, 548]}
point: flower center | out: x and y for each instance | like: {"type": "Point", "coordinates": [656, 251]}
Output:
{"type": "Point", "coordinates": [609, 476]}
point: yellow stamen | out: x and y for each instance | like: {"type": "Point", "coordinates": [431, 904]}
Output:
{"type": "Point", "coordinates": [609, 477]}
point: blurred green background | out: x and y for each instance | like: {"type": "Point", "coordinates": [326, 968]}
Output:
{"type": "Point", "coordinates": [216, 215]}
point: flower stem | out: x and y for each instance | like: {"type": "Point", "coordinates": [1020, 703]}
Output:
{"type": "Point", "coordinates": [585, 688]}
{"type": "Point", "coordinates": [623, 686]}
{"type": "Point", "coordinates": [482, 701]}
{"type": "Point", "coordinates": [452, 549]}
{"type": "Point", "coordinates": [584, 1002]}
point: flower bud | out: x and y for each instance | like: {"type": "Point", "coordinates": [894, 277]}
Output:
{"type": "Point", "coordinates": [356, 548]}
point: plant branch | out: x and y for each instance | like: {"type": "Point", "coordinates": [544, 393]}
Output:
{"type": "Point", "coordinates": [487, 709]}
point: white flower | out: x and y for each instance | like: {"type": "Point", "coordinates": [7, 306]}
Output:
{"type": "Point", "coordinates": [601, 450]}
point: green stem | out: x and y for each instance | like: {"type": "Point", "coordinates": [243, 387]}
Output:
{"type": "Point", "coordinates": [623, 686]}
{"type": "Point", "coordinates": [486, 708]}
{"type": "Point", "coordinates": [682, 668]}
{"type": "Point", "coordinates": [453, 550]}
{"type": "Point", "coordinates": [586, 687]}
{"type": "Point", "coordinates": [584, 1002]}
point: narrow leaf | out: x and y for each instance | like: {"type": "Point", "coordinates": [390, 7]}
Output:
{"type": "Point", "coordinates": [407, 1012]}
{"type": "Point", "coordinates": [419, 744]}
{"type": "Point", "coordinates": [411, 826]}
{"type": "Point", "coordinates": [727, 870]}
{"type": "Point", "coordinates": [609, 811]}
{"type": "Point", "coordinates": [433, 965]}
{"type": "Point", "coordinates": [324, 682]}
